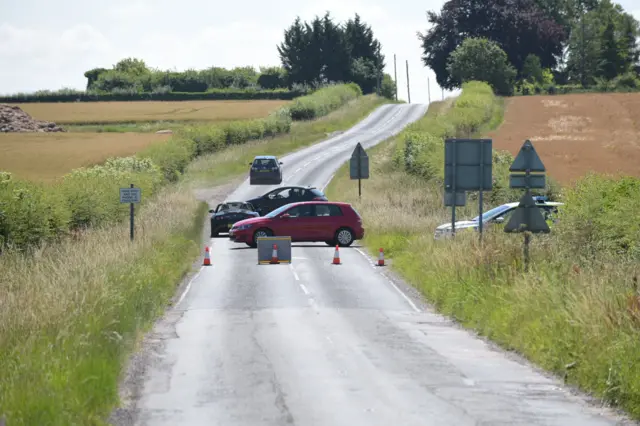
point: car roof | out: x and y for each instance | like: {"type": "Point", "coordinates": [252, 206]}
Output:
{"type": "Point", "coordinates": [265, 157]}
{"type": "Point", "coordinates": [544, 203]}
{"type": "Point", "coordinates": [337, 203]}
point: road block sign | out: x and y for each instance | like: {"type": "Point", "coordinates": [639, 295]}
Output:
{"type": "Point", "coordinates": [527, 160]}
{"type": "Point", "coordinates": [527, 217]}
{"type": "Point", "coordinates": [265, 249]}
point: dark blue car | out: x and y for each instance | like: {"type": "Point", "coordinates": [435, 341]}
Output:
{"type": "Point", "coordinates": [265, 170]}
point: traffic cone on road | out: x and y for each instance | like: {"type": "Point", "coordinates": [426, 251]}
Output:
{"type": "Point", "coordinates": [336, 257]}
{"type": "Point", "coordinates": [381, 257]}
{"type": "Point", "coordinates": [274, 255]}
{"type": "Point", "coordinates": [207, 257]}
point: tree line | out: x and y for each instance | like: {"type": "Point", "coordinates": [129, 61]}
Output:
{"type": "Point", "coordinates": [313, 54]}
{"type": "Point", "coordinates": [520, 42]}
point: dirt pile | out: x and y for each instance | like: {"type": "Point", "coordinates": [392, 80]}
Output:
{"type": "Point", "coordinates": [14, 119]}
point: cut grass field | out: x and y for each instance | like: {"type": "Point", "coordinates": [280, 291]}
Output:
{"type": "Point", "coordinates": [575, 314]}
{"type": "Point", "coordinates": [152, 111]}
{"type": "Point", "coordinates": [71, 316]}
{"type": "Point", "coordinates": [48, 156]}
{"type": "Point", "coordinates": [576, 134]}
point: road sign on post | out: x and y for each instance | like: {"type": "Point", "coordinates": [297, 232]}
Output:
{"type": "Point", "coordinates": [359, 166]}
{"type": "Point", "coordinates": [468, 166]}
{"type": "Point", "coordinates": [527, 217]}
{"type": "Point", "coordinates": [132, 196]}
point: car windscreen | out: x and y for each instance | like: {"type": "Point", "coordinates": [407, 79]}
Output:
{"type": "Point", "coordinates": [263, 163]}
{"type": "Point", "coordinates": [491, 213]}
{"type": "Point", "coordinates": [277, 211]}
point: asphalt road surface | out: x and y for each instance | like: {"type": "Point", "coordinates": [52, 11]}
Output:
{"type": "Point", "coordinates": [313, 343]}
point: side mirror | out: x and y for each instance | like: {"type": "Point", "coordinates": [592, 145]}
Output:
{"type": "Point", "coordinates": [251, 164]}
{"type": "Point", "coordinates": [285, 216]}
{"type": "Point", "coordinates": [281, 162]}
{"type": "Point", "coordinates": [211, 211]}
{"type": "Point", "coordinates": [498, 219]}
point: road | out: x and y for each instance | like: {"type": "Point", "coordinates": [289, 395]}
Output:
{"type": "Point", "coordinates": [313, 343]}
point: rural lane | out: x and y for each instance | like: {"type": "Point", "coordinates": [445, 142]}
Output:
{"type": "Point", "coordinates": [313, 343]}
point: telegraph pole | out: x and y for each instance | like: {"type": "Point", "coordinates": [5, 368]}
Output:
{"type": "Point", "coordinates": [429, 88]}
{"type": "Point", "coordinates": [395, 74]}
{"type": "Point", "coordinates": [408, 89]}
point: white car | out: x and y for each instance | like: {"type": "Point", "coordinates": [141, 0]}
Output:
{"type": "Point", "coordinates": [496, 215]}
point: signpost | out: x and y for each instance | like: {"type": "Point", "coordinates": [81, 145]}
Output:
{"type": "Point", "coordinates": [527, 217]}
{"type": "Point", "coordinates": [130, 195]}
{"type": "Point", "coordinates": [359, 166]}
{"type": "Point", "coordinates": [468, 166]}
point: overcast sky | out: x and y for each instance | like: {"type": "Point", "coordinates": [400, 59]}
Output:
{"type": "Point", "coordinates": [47, 44]}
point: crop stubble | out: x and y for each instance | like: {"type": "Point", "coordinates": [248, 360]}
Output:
{"type": "Point", "coordinates": [139, 111]}
{"type": "Point", "coordinates": [47, 156]}
{"type": "Point", "coordinates": [577, 133]}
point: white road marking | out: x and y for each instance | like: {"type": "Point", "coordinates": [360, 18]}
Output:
{"type": "Point", "coordinates": [295, 275]}
{"type": "Point", "coordinates": [299, 258]}
{"type": "Point", "coordinates": [188, 287]}
{"type": "Point", "coordinates": [304, 288]}
{"type": "Point", "coordinates": [400, 292]}
{"type": "Point", "coordinates": [328, 182]}
{"type": "Point", "coordinates": [297, 170]}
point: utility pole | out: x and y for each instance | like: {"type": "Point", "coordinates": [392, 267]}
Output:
{"type": "Point", "coordinates": [429, 89]}
{"type": "Point", "coordinates": [442, 93]}
{"type": "Point", "coordinates": [408, 89]}
{"type": "Point", "coordinates": [395, 74]}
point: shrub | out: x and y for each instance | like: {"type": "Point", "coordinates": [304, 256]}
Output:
{"type": "Point", "coordinates": [323, 101]}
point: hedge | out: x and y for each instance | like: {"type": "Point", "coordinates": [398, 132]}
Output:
{"type": "Point", "coordinates": [212, 95]}
{"type": "Point", "coordinates": [31, 213]}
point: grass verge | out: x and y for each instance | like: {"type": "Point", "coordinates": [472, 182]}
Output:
{"type": "Point", "coordinates": [71, 314]}
{"type": "Point", "coordinates": [577, 313]}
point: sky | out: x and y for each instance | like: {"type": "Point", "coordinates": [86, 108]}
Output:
{"type": "Point", "coordinates": [47, 44]}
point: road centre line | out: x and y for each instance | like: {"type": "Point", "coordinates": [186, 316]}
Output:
{"type": "Point", "coordinates": [400, 292]}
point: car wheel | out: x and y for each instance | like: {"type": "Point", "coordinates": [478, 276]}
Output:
{"type": "Point", "coordinates": [344, 237]}
{"type": "Point", "coordinates": [262, 232]}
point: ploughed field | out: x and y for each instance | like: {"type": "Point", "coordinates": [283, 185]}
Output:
{"type": "Point", "coordinates": [575, 134]}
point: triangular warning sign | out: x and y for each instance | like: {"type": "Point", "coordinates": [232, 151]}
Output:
{"type": "Point", "coordinates": [527, 217]}
{"type": "Point", "coordinates": [527, 158]}
{"type": "Point", "coordinates": [359, 152]}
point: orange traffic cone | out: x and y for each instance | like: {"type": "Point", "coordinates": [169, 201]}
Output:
{"type": "Point", "coordinates": [274, 254]}
{"type": "Point", "coordinates": [381, 257]}
{"type": "Point", "coordinates": [207, 257]}
{"type": "Point", "coordinates": [336, 257]}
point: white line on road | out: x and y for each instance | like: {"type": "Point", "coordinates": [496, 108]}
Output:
{"type": "Point", "coordinates": [304, 288]}
{"type": "Point", "coordinates": [400, 292]}
{"type": "Point", "coordinates": [328, 182]}
{"type": "Point", "coordinates": [188, 287]}
{"type": "Point", "coordinates": [295, 275]}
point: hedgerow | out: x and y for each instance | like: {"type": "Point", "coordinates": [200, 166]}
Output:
{"type": "Point", "coordinates": [31, 213]}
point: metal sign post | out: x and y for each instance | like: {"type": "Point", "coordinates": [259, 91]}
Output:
{"type": "Point", "coordinates": [359, 166]}
{"type": "Point", "coordinates": [130, 195]}
{"type": "Point", "coordinates": [527, 217]}
{"type": "Point", "coordinates": [468, 166]}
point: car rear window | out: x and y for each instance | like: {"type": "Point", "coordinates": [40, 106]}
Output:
{"type": "Point", "coordinates": [264, 163]}
{"type": "Point", "coordinates": [328, 210]}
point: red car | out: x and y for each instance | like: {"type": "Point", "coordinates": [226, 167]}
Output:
{"type": "Point", "coordinates": [310, 221]}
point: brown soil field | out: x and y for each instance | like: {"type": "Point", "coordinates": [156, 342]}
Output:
{"type": "Point", "coordinates": [118, 112]}
{"type": "Point", "coordinates": [47, 156]}
{"type": "Point", "coordinates": [575, 134]}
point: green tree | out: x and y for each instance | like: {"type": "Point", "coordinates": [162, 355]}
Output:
{"type": "Point", "coordinates": [272, 78]}
{"type": "Point", "coordinates": [532, 69]}
{"type": "Point", "coordinates": [520, 27]}
{"type": "Point", "coordinates": [132, 66]}
{"type": "Point", "coordinates": [388, 87]}
{"type": "Point", "coordinates": [92, 76]}
{"type": "Point", "coordinates": [611, 62]}
{"type": "Point", "coordinates": [483, 60]}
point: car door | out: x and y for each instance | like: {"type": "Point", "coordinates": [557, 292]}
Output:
{"type": "Point", "coordinates": [328, 220]}
{"type": "Point", "coordinates": [272, 200]}
{"type": "Point", "coordinates": [298, 223]}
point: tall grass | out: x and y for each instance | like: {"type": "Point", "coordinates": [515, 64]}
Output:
{"type": "Point", "coordinates": [577, 313]}
{"type": "Point", "coordinates": [71, 313]}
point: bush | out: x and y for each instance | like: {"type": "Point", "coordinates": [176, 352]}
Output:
{"type": "Point", "coordinates": [158, 93]}
{"type": "Point", "coordinates": [324, 101]}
